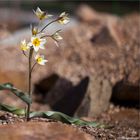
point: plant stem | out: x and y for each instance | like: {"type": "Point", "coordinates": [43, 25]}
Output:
{"type": "Point", "coordinates": [51, 34]}
{"type": "Point", "coordinates": [33, 66]}
{"type": "Point", "coordinates": [29, 83]}
{"type": "Point", "coordinates": [47, 25]}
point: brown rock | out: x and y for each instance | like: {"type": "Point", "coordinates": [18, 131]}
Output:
{"type": "Point", "coordinates": [129, 114]}
{"type": "Point", "coordinates": [41, 131]}
{"type": "Point", "coordinates": [103, 52]}
{"type": "Point", "coordinates": [126, 94]}
{"type": "Point", "coordinates": [4, 33]}
{"type": "Point", "coordinates": [101, 89]}
{"type": "Point", "coordinates": [87, 14]}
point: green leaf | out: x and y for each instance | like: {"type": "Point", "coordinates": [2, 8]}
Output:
{"type": "Point", "coordinates": [64, 118]}
{"type": "Point", "coordinates": [12, 109]}
{"type": "Point", "coordinates": [23, 96]}
{"type": "Point", "coordinates": [58, 116]}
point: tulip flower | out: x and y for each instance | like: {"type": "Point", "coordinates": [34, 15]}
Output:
{"type": "Point", "coordinates": [40, 59]}
{"type": "Point", "coordinates": [41, 14]}
{"type": "Point", "coordinates": [37, 43]}
{"type": "Point", "coordinates": [63, 18]}
{"type": "Point", "coordinates": [24, 46]}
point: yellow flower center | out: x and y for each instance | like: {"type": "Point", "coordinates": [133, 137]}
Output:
{"type": "Point", "coordinates": [61, 19]}
{"type": "Point", "coordinates": [24, 47]}
{"type": "Point", "coordinates": [34, 31]}
{"type": "Point", "coordinates": [42, 16]}
{"type": "Point", "coordinates": [36, 42]}
{"type": "Point", "coordinates": [39, 59]}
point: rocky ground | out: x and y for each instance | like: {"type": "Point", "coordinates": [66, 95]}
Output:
{"type": "Point", "coordinates": [121, 124]}
{"type": "Point", "coordinates": [97, 63]}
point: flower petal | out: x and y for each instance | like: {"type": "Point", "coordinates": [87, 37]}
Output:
{"type": "Point", "coordinates": [43, 62]}
{"type": "Point", "coordinates": [36, 48]}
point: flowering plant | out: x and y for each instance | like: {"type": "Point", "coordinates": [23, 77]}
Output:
{"type": "Point", "coordinates": [31, 50]}
{"type": "Point", "coordinates": [38, 41]}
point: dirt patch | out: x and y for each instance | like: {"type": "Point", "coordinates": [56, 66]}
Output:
{"type": "Point", "coordinates": [122, 123]}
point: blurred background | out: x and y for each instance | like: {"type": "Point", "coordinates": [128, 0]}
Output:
{"type": "Point", "coordinates": [8, 7]}
{"type": "Point", "coordinates": [95, 70]}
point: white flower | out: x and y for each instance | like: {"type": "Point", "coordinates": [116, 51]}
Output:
{"type": "Point", "coordinates": [34, 30]}
{"type": "Point", "coordinates": [41, 14]}
{"type": "Point", "coordinates": [37, 43]}
{"type": "Point", "coordinates": [57, 36]}
{"type": "Point", "coordinates": [63, 18]}
{"type": "Point", "coordinates": [24, 46]}
{"type": "Point", "coordinates": [40, 59]}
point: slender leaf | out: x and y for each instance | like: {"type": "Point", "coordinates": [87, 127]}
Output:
{"type": "Point", "coordinates": [64, 118]}
{"type": "Point", "coordinates": [58, 116]}
{"type": "Point", "coordinates": [23, 96]}
{"type": "Point", "coordinates": [12, 109]}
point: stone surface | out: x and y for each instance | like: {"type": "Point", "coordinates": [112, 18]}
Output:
{"type": "Point", "coordinates": [96, 48]}
{"type": "Point", "coordinates": [41, 131]}
{"type": "Point", "coordinates": [101, 89]}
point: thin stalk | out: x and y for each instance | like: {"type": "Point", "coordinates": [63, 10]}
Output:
{"type": "Point", "coordinates": [46, 36]}
{"type": "Point", "coordinates": [29, 83]}
{"type": "Point", "coordinates": [24, 53]}
{"type": "Point", "coordinates": [33, 66]}
{"type": "Point", "coordinates": [51, 34]}
{"type": "Point", "coordinates": [47, 25]}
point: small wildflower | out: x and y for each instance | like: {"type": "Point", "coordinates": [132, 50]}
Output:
{"type": "Point", "coordinates": [41, 14]}
{"type": "Point", "coordinates": [40, 59]}
{"type": "Point", "coordinates": [24, 46]}
{"type": "Point", "coordinates": [57, 36]}
{"type": "Point", "coordinates": [63, 18]}
{"type": "Point", "coordinates": [37, 43]}
{"type": "Point", "coordinates": [34, 30]}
